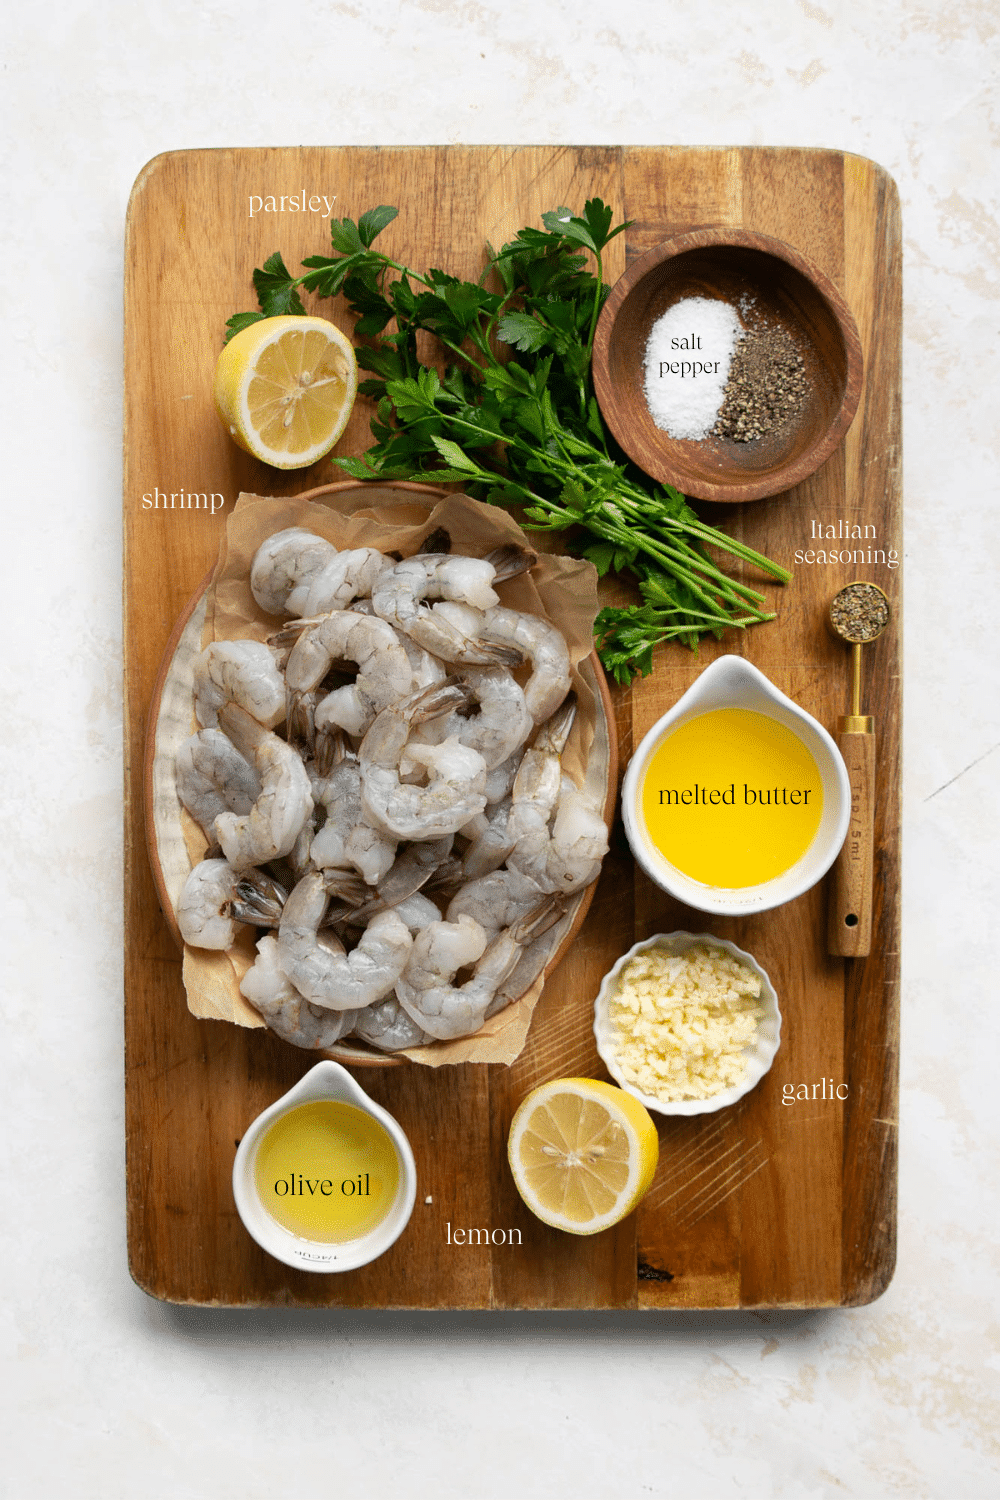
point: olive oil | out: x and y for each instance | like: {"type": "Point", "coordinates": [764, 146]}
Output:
{"type": "Point", "coordinates": [327, 1171]}
{"type": "Point", "coordinates": [732, 798]}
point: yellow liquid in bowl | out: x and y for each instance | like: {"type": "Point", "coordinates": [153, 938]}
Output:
{"type": "Point", "coordinates": [732, 798]}
{"type": "Point", "coordinates": [327, 1171]}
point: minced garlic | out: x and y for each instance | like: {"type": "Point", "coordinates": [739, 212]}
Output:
{"type": "Point", "coordinates": [683, 1021]}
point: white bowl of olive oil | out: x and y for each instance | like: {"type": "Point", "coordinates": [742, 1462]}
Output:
{"type": "Point", "coordinates": [324, 1179]}
{"type": "Point", "coordinates": [737, 800]}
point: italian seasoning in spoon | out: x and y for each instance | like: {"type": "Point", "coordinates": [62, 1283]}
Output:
{"type": "Point", "coordinates": [859, 613]}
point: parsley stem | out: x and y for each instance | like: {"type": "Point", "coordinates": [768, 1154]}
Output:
{"type": "Point", "coordinates": [689, 567]}
{"type": "Point", "coordinates": [597, 303]}
{"type": "Point", "coordinates": [672, 557]}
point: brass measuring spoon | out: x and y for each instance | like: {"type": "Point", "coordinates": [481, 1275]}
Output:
{"type": "Point", "coordinates": [858, 615]}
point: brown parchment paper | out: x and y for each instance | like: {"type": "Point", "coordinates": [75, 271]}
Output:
{"type": "Point", "coordinates": [393, 518]}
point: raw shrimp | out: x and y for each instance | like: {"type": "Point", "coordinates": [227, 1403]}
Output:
{"type": "Point", "coordinates": [454, 793]}
{"type": "Point", "coordinates": [503, 722]}
{"type": "Point", "coordinates": [546, 648]}
{"type": "Point", "coordinates": [384, 673]}
{"type": "Point", "coordinates": [285, 561]}
{"type": "Point", "coordinates": [414, 869]}
{"type": "Point", "coordinates": [441, 949]}
{"type": "Point", "coordinates": [417, 911]}
{"type": "Point", "coordinates": [270, 829]}
{"type": "Point", "coordinates": [212, 777]}
{"type": "Point", "coordinates": [427, 670]}
{"type": "Point", "coordinates": [425, 989]}
{"type": "Point", "coordinates": [387, 1026]}
{"type": "Point", "coordinates": [347, 838]}
{"type": "Point", "coordinates": [497, 900]}
{"type": "Point", "coordinates": [489, 843]}
{"type": "Point", "coordinates": [536, 786]}
{"type": "Point", "coordinates": [244, 672]}
{"type": "Point", "coordinates": [347, 576]}
{"type": "Point", "coordinates": [286, 1012]}
{"type": "Point", "coordinates": [500, 782]}
{"type": "Point", "coordinates": [216, 899]}
{"type": "Point", "coordinates": [536, 951]}
{"type": "Point", "coordinates": [338, 981]}
{"type": "Point", "coordinates": [399, 594]}
{"type": "Point", "coordinates": [570, 857]}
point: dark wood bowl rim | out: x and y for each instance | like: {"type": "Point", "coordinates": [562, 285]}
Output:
{"type": "Point", "coordinates": [722, 236]}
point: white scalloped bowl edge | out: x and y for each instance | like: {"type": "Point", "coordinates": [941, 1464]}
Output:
{"type": "Point", "coordinates": [759, 1057]}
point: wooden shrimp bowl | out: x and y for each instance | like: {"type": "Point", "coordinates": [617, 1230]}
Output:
{"type": "Point", "coordinates": [786, 291]}
{"type": "Point", "coordinates": [171, 721]}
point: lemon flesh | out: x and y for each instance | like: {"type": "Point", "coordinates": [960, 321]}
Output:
{"type": "Point", "coordinates": [285, 387]}
{"type": "Point", "coordinates": [583, 1153]}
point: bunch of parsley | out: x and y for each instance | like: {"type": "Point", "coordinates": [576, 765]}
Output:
{"type": "Point", "coordinates": [524, 430]}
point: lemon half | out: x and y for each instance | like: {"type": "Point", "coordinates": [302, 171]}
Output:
{"type": "Point", "coordinates": [284, 388]}
{"type": "Point", "coordinates": [583, 1153]}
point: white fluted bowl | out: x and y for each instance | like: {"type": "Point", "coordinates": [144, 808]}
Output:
{"type": "Point", "coordinates": [760, 1053]}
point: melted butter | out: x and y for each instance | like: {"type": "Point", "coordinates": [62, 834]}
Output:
{"type": "Point", "coordinates": [327, 1171]}
{"type": "Point", "coordinates": [732, 798]}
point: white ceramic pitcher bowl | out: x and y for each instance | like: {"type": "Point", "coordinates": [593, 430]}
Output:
{"type": "Point", "coordinates": [731, 682]}
{"type": "Point", "coordinates": [327, 1080]}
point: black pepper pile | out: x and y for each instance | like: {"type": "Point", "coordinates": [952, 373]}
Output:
{"type": "Point", "coordinates": [767, 385]}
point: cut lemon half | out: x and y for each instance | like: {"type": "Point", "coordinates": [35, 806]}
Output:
{"type": "Point", "coordinates": [284, 388]}
{"type": "Point", "coordinates": [583, 1153]}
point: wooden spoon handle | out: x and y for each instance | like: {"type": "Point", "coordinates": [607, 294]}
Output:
{"type": "Point", "coordinates": [849, 925]}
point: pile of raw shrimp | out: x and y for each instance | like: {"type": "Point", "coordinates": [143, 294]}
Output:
{"type": "Point", "coordinates": [381, 788]}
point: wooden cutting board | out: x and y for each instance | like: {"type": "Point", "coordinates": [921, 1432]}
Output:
{"type": "Point", "coordinates": [765, 1204]}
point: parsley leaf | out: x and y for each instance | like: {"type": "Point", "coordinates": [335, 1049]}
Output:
{"type": "Point", "coordinates": [275, 288]}
{"type": "Point", "coordinates": [241, 320]}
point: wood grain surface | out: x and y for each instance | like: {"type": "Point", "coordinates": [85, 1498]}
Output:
{"type": "Point", "coordinates": [765, 1204]}
{"type": "Point", "coordinates": [849, 916]}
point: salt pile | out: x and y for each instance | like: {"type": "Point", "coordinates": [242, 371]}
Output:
{"type": "Point", "coordinates": [688, 354]}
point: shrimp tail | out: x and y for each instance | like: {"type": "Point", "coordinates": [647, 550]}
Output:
{"type": "Point", "coordinates": [510, 561]}
{"type": "Point", "coordinates": [257, 899]}
{"type": "Point", "coordinates": [285, 638]}
{"type": "Point", "coordinates": [501, 656]}
{"type": "Point", "coordinates": [554, 732]}
{"type": "Point", "coordinates": [409, 874]}
{"type": "Point", "coordinates": [437, 541]}
{"type": "Point", "coordinates": [346, 887]}
{"type": "Point", "coordinates": [300, 720]}
{"type": "Point", "coordinates": [328, 748]}
{"type": "Point", "coordinates": [540, 920]}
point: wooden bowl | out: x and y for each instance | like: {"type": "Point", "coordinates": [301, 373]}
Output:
{"type": "Point", "coordinates": [785, 291]}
